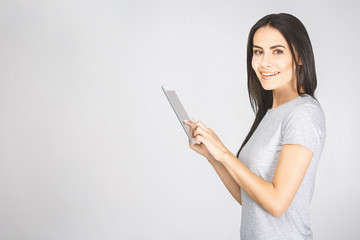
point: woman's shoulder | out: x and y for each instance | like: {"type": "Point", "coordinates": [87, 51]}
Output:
{"type": "Point", "coordinates": [307, 108]}
{"type": "Point", "coordinates": [305, 122]}
{"type": "Point", "coordinates": [306, 104]}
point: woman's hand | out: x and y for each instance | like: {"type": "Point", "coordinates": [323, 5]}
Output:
{"type": "Point", "coordinates": [208, 143]}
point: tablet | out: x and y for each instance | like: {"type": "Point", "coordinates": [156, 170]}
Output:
{"type": "Point", "coordinates": [178, 109]}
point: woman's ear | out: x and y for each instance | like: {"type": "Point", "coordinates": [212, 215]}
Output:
{"type": "Point", "coordinates": [298, 58]}
{"type": "Point", "coordinates": [299, 61]}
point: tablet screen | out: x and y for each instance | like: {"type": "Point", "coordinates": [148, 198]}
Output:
{"type": "Point", "coordinates": [178, 109]}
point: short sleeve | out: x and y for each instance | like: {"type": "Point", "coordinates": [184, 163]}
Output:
{"type": "Point", "coordinates": [305, 125]}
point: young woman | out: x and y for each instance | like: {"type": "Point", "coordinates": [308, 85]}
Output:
{"type": "Point", "coordinates": [273, 174]}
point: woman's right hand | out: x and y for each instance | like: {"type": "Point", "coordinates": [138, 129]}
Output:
{"type": "Point", "coordinates": [200, 148]}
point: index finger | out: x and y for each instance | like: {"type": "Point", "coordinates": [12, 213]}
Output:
{"type": "Point", "coordinates": [191, 125]}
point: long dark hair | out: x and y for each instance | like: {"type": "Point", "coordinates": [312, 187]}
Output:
{"type": "Point", "coordinates": [298, 40]}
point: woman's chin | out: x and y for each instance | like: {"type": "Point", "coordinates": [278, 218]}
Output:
{"type": "Point", "coordinates": [267, 87]}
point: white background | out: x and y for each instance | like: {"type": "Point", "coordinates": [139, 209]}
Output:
{"type": "Point", "coordinates": [91, 149]}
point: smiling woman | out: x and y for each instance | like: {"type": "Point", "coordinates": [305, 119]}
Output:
{"type": "Point", "coordinates": [273, 174]}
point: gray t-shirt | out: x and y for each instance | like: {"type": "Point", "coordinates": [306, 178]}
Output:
{"type": "Point", "coordinates": [299, 121]}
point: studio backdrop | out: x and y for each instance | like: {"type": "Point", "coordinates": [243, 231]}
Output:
{"type": "Point", "coordinates": [91, 149]}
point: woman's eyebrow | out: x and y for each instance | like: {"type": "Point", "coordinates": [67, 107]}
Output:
{"type": "Point", "coordinates": [276, 46]}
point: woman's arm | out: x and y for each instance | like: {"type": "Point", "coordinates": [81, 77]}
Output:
{"type": "Point", "coordinates": [227, 179]}
{"type": "Point", "coordinates": [276, 196]}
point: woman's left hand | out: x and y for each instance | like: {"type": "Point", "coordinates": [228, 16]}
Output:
{"type": "Point", "coordinates": [207, 137]}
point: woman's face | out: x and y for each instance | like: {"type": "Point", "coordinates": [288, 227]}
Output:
{"type": "Point", "coordinates": [272, 60]}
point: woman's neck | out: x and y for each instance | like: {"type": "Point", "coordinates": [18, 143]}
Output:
{"type": "Point", "coordinates": [280, 98]}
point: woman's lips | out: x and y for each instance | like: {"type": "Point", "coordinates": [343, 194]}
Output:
{"type": "Point", "coordinates": [268, 75]}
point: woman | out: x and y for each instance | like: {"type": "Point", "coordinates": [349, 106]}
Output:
{"type": "Point", "coordinates": [273, 174]}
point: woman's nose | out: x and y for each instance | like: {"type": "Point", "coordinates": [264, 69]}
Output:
{"type": "Point", "coordinates": [265, 61]}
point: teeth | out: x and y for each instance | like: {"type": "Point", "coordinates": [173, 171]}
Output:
{"type": "Point", "coordinates": [269, 74]}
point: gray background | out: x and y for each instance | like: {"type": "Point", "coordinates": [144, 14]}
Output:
{"type": "Point", "coordinates": [91, 149]}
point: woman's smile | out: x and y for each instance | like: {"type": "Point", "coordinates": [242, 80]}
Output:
{"type": "Point", "coordinates": [268, 75]}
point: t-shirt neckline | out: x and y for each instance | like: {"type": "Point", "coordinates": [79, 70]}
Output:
{"type": "Point", "coordinates": [284, 104]}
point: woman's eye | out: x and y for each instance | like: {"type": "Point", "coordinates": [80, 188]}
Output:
{"type": "Point", "coordinates": [277, 51]}
{"type": "Point", "coordinates": [257, 52]}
